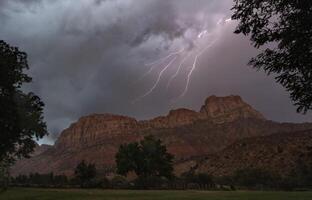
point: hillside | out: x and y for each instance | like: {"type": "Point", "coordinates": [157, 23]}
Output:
{"type": "Point", "coordinates": [279, 153]}
{"type": "Point", "coordinates": [220, 122]}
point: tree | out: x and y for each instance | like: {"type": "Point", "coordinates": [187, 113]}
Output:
{"type": "Point", "coordinates": [201, 179]}
{"type": "Point", "coordinates": [119, 182]}
{"type": "Point", "coordinates": [301, 174]}
{"type": "Point", "coordinates": [255, 178]}
{"type": "Point", "coordinates": [284, 27]}
{"type": "Point", "coordinates": [21, 114]}
{"type": "Point", "coordinates": [85, 173]}
{"type": "Point", "coordinates": [148, 158]}
{"type": "Point", "coordinates": [4, 176]}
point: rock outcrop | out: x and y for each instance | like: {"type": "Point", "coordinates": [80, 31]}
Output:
{"type": "Point", "coordinates": [221, 122]}
{"type": "Point", "coordinates": [93, 128]}
{"type": "Point", "coordinates": [228, 109]}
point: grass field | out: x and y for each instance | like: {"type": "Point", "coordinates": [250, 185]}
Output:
{"type": "Point", "coordinates": [73, 194]}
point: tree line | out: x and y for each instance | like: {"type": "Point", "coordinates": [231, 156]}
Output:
{"type": "Point", "coordinates": [152, 167]}
{"type": "Point", "coordinates": [248, 178]}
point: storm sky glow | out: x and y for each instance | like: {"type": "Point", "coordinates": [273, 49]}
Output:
{"type": "Point", "coordinates": [89, 56]}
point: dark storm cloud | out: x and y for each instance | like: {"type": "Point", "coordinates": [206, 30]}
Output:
{"type": "Point", "coordinates": [87, 57]}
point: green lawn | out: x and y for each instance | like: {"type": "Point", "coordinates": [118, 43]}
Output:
{"type": "Point", "coordinates": [71, 194]}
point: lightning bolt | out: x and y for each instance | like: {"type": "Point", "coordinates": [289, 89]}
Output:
{"type": "Point", "coordinates": [224, 21]}
{"type": "Point", "coordinates": [193, 68]}
{"type": "Point", "coordinates": [157, 81]}
{"type": "Point", "coordinates": [165, 58]}
{"type": "Point", "coordinates": [202, 34]}
{"type": "Point", "coordinates": [178, 70]}
{"type": "Point", "coordinates": [183, 58]}
{"type": "Point", "coordinates": [228, 20]}
{"type": "Point", "coordinates": [159, 62]}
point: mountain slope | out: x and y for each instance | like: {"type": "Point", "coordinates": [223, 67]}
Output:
{"type": "Point", "coordinates": [96, 138]}
{"type": "Point", "coordinates": [278, 153]}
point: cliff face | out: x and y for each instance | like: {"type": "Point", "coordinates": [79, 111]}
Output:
{"type": "Point", "coordinates": [91, 129]}
{"type": "Point", "coordinates": [94, 128]}
{"type": "Point", "coordinates": [228, 109]}
{"type": "Point", "coordinates": [96, 138]}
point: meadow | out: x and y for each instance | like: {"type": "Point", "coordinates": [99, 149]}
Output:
{"type": "Point", "coordinates": [92, 194]}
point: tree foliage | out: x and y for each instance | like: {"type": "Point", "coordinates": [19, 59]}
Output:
{"type": "Point", "coordinates": [4, 176]}
{"type": "Point", "coordinates": [255, 178]}
{"type": "Point", "coordinates": [284, 27]}
{"type": "Point", "coordinates": [85, 173]}
{"type": "Point", "coordinates": [21, 114]}
{"type": "Point", "coordinates": [148, 158]}
{"type": "Point", "coordinates": [203, 180]}
{"type": "Point", "coordinates": [40, 180]}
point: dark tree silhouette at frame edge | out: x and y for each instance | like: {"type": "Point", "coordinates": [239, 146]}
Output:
{"type": "Point", "coordinates": [285, 26]}
{"type": "Point", "coordinates": [21, 113]}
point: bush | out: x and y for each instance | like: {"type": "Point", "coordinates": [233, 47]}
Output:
{"type": "Point", "coordinates": [104, 183]}
{"type": "Point", "coordinates": [4, 177]}
{"type": "Point", "coordinates": [85, 174]}
{"type": "Point", "coordinates": [201, 180]}
{"type": "Point", "coordinates": [119, 182]}
{"type": "Point", "coordinates": [41, 180]}
{"type": "Point", "coordinates": [151, 182]}
{"type": "Point", "coordinates": [256, 179]}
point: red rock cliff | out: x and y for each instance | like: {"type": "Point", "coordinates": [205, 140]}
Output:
{"type": "Point", "coordinates": [96, 138]}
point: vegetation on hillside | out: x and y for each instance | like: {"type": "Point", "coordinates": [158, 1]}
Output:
{"type": "Point", "coordinates": [86, 175]}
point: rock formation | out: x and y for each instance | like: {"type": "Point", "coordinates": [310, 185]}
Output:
{"type": "Point", "coordinates": [188, 134]}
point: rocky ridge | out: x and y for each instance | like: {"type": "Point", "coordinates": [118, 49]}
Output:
{"type": "Point", "coordinates": [216, 109]}
{"type": "Point", "coordinates": [220, 122]}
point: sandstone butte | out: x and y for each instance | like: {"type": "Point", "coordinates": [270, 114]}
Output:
{"type": "Point", "coordinates": [199, 140]}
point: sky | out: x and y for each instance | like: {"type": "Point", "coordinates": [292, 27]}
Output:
{"type": "Point", "coordinates": [139, 58]}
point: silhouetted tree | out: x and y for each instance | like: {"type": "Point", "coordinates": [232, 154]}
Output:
{"type": "Point", "coordinates": [60, 180]}
{"type": "Point", "coordinates": [301, 175]}
{"type": "Point", "coordinates": [4, 176]}
{"type": "Point", "coordinates": [255, 178]}
{"type": "Point", "coordinates": [21, 114]}
{"type": "Point", "coordinates": [42, 180]}
{"type": "Point", "coordinates": [148, 158]}
{"type": "Point", "coordinates": [204, 181]}
{"type": "Point", "coordinates": [287, 25]}
{"type": "Point", "coordinates": [119, 182]}
{"type": "Point", "coordinates": [85, 173]}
